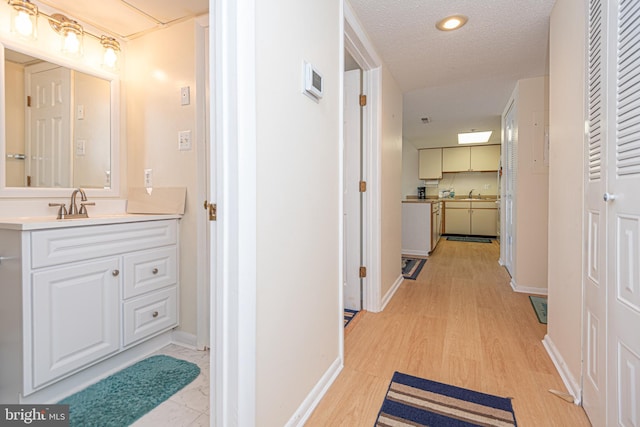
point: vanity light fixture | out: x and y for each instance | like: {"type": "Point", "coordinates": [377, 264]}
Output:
{"type": "Point", "coordinates": [70, 31]}
{"type": "Point", "coordinates": [24, 15]}
{"type": "Point", "coordinates": [474, 137]}
{"type": "Point", "coordinates": [451, 23]}
{"type": "Point", "coordinates": [111, 49]}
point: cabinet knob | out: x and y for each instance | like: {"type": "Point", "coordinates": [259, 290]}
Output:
{"type": "Point", "coordinates": [154, 271]}
{"type": "Point", "coordinates": [155, 314]}
{"type": "Point", "coordinates": [115, 273]}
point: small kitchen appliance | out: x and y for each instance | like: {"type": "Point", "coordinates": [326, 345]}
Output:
{"type": "Point", "coordinates": [422, 192]}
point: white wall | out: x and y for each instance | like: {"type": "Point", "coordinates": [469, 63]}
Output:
{"type": "Point", "coordinates": [158, 65]}
{"type": "Point", "coordinates": [532, 185]}
{"type": "Point", "coordinates": [566, 105]}
{"type": "Point", "coordinates": [298, 203]}
{"type": "Point", "coordinates": [391, 177]}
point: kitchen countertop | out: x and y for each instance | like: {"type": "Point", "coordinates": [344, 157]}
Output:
{"type": "Point", "coordinates": [455, 199]}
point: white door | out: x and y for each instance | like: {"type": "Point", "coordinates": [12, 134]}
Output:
{"type": "Point", "coordinates": [623, 219]}
{"type": "Point", "coordinates": [508, 241]}
{"type": "Point", "coordinates": [351, 191]}
{"type": "Point", "coordinates": [594, 329]}
{"type": "Point", "coordinates": [48, 126]}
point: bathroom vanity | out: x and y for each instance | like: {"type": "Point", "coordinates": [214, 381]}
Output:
{"type": "Point", "coordinates": [79, 299]}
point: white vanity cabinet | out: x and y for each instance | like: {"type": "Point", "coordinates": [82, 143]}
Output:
{"type": "Point", "coordinates": [81, 295]}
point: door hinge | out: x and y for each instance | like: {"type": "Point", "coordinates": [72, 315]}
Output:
{"type": "Point", "coordinates": [363, 186]}
{"type": "Point", "coordinates": [28, 101]}
{"type": "Point", "coordinates": [363, 100]}
{"type": "Point", "coordinates": [213, 210]}
{"type": "Point", "coordinates": [28, 180]}
{"type": "Point", "coordinates": [363, 272]}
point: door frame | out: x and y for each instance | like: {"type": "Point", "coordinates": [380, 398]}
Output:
{"type": "Point", "coordinates": [357, 43]}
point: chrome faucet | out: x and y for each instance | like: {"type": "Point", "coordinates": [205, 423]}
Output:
{"type": "Point", "coordinates": [73, 207]}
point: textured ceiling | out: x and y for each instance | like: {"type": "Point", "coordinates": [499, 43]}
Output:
{"type": "Point", "coordinates": [128, 18]}
{"type": "Point", "coordinates": [460, 79]}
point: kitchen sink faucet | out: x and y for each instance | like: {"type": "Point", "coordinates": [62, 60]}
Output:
{"type": "Point", "coordinates": [471, 192]}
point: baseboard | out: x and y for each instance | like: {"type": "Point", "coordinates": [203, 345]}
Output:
{"type": "Point", "coordinates": [415, 253]}
{"type": "Point", "coordinates": [569, 381]}
{"type": "Point", "coordinates": [312, 400]}
{"type": "Point", "coordinates": [528, 289]}
{"type": "Point", "coordinates": [185, 339]}
{"type": "Point", "coordinates": [391, 292]}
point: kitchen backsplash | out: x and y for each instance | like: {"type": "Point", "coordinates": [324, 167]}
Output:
{"type": "Point", "coordinates": [485, 183]}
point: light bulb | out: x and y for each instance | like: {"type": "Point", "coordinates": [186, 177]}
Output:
{"type": "Point", "coordinates": [71, 42]}
{"type": "Point", "coordinates": [110, 57]}
{"type": "Point", "coordinates": [23, 24]}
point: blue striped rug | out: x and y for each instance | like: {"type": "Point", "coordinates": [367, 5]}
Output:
{"type": "Point", "coordinates": [413, 401]}
{"type": "Point", "coordinates": [411, 267]}
{"type": "Point", "coordinates": [349, 315]}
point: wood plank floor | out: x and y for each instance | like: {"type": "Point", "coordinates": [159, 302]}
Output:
{"type": "Point", "coordinates": [460, 323]}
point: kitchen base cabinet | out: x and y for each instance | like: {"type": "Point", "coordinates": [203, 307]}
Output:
{"type": "Point", "coordinates": [483, 222]}
{"type": "Point", "coordinates": [79, 302]}
{"type": "Point", "coordinates": [457, 218]}
{"type": "Point", "coordinates": [477, 218]}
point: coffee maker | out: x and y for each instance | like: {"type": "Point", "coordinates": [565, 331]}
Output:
{"type": "Point", "coordinates": [422, 192]}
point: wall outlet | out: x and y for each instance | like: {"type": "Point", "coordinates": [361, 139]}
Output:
{"type": "Point", "coordinates": [184, 140]}
{"type": "Point", "coordinates": [486, 186]}
{"type": "Point", "coordinates": [148, 178]}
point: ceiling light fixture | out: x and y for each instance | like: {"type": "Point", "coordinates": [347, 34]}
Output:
{"type": "Point", "coordinates": [426, 120]}
{"type": "Point", "coordinates": [474, 137]}
{"type": "Point", "coordinates": [451, 23]}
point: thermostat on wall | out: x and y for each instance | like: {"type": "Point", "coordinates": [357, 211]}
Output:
{"type": "Point", "coordinates": [313, 83]}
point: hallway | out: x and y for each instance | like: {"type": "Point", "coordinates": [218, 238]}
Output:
{"type": "Point", "coordinates": [460, 323]}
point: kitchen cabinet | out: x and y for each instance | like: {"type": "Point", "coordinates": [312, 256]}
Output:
{"type": "Point", "coordinates": [430, 163]}
{"type": "Point", "coordinates": [457, 218]}
{"type": "Point", "coordinates": [485, 158]}
{"type": "Point", "coordinates": [456, 159]}
{"type": "Point", "coordinates": [481, 158]}
{"type": "Point", "coordinates": [420, 232]}
{"type": "Point", "coordinates": [476, 218]}
{"type": "Point", "coordinates": [81, 296]}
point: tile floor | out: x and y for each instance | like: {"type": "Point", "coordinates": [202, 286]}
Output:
{"type": "Point", "coordinates": [190, 406]}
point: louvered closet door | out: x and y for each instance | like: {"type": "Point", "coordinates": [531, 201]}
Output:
{"type": "Point", "coordinates": [624, 220]}
{"type": "Point", "coordinates": [595, 263]}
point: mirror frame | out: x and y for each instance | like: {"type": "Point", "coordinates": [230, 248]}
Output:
{"type": "Point", "coordinates": [32, 192]}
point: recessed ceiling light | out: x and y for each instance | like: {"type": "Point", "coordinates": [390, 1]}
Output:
{"type": "Point", "coordinates": [451, 23]}
{"type": "Point", "coordinates": [474, 137]}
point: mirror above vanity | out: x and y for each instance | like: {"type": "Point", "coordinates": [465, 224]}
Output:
{"type": "Point", "coordinates": [60, 126]}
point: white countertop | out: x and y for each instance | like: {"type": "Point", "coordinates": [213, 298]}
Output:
{"type": "Point", "coordinates": [40, 223]}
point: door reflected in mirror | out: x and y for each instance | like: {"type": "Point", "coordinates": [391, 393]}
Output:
{"type": "Point", "coordinates": [58, 125]}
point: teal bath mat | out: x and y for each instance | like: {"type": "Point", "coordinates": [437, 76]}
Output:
{"type": "Point", "coordinates": [540, 306]}
{"type": "Point", "coordinates": [127, 395]}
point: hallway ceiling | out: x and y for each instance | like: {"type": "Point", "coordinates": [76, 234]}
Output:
{"type": "Point", "coordinates": [460, 79]}
{"type": "Point", "coordinates": [128, 18]}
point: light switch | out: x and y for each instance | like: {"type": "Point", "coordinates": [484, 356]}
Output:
{"type": "Point", "coordinates": [80, 112]}
{"type": "Point", "coordinates": [80, 147]}
{"type": "Point", "coordinates": [184, 140]}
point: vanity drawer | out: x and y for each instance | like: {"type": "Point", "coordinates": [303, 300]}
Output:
{"type": "Point", "coordinates": [148, 314]}
{"type": "Point", "coordinates": [150, 270]}
{"type": "Point", "coordinates": [58, 246]}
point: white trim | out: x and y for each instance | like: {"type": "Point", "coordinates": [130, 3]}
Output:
{"type": "Point", "coordinates": [415, 253]}
{"type": "Point", "coordinates": [203, 262]}
{"type": "Point", "coordinates": [312, 400]}
{"type": "Point", "coordinates": [528, 289]}
{"type": "Point", "coordinates": [569, 381]}
{"type": "Point", "coordinates": [391, 292]}
{"type": "Point", "coordinates": [233, 75]}
{"type": "Point", "coordinates": [185, 339]}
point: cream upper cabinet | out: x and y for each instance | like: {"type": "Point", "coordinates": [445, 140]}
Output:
{"type": "Point", "coordinates": [430, 163]}
{"type": "Point", "coordinates": [466, 159]}
{"type": "Point", "coordinates": [485, 158]}
{"type": "Point", "coordinates": [456, 159]}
